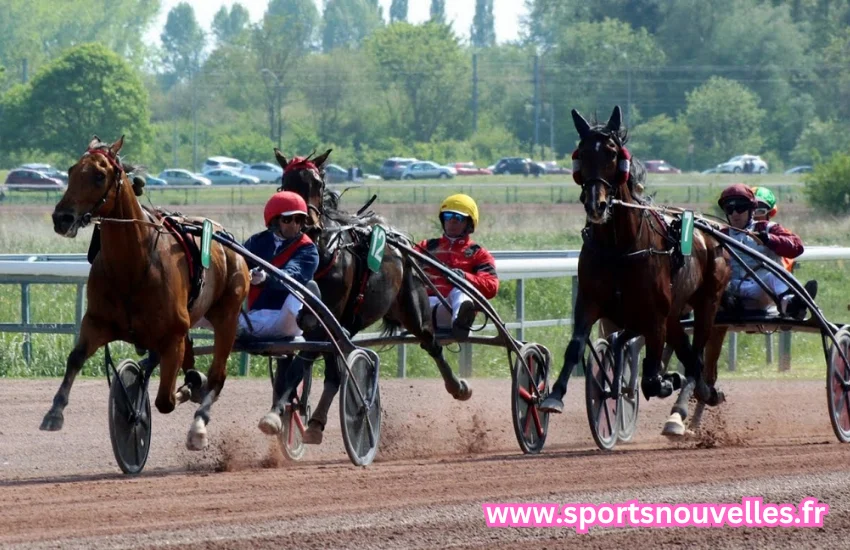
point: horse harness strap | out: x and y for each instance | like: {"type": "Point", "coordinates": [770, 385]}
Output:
{"type": "Point", "coordinates": [197, 275]}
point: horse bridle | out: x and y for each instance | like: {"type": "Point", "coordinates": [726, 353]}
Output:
{"type": "Point", "coordinates": [119, 180]}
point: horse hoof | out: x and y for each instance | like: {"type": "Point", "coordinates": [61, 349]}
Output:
{"type": "Point", "coordinates": [52, 422]}
{"type": "Point", "coordinates": [271, 424]}
{"type": "Point", "coordinates": [465, 391]}
{"type": "Point", "coordinates": [197, 439]}
{"type": "Point", "coordinates": [674, 427]}
{"type": "Point", "coordinates": [312, 435]}
{"type": "Point", "coordinates": [656, 387]}
{"type": "Point", "coordinates": [552, 405]}
{"type": "Point", "coordinates": [676, 379]}
{"type": "Point", "coordinates": [719, 398]}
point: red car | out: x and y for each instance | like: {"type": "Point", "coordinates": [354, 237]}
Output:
{"type": "Point", "coordinates": [469, 169]}
{"type": "Point", "coordinates": [660, 167]}
{"type": "Point", "coordinates": [30, 179]}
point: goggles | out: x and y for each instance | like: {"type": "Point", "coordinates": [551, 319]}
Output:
{"type": "Point", "coordinates": [290, 219]}
{"type": "Point", "coordinates": [761, 212]}
{"type": "Point", "coordinates": [739, 207]}
{"type": "Point", "coordinates": [446, 216]}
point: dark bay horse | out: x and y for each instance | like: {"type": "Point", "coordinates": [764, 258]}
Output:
{"type": "Point", "coordinates": [629, 273]}
{"type": "Point", "coordinates": [139, 284]}
{"type": "Point", "coordinates": [356, 297]}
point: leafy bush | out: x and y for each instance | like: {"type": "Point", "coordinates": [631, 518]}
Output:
{"type": "Point", "coordinates": [828, 186]}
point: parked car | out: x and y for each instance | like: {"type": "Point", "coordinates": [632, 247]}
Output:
{"type": "Point", "coordinates": [178, 176]}
{"type": "Point", "coordinates": [213, 163]}
{"type": "Point", "coordinates": [393, 167]}
{"type": "Point", "coordinates": [804, 169]}
{"type": "Point", "coordinates": [552, 167]}
{"type": "Point", "coordinates": [226, 176]}
{"type": "Point", "coordinates": [425, 169]}
{"type": "Point", "coordinates": [660, 167]}
{"type": "Point", "coordinates": [334, 173]}
{"type": "Point", "coordinates": [266, 171]}
{"type": "Point", "coordinates": [738, 164]}
{"type": "Point", "coordinates": [518, 165]}
{"type": "Point", "coordinates": [469, 169]}
{"type": "Point", "coordinates": [32, 179]}
{"type": "Point", "coordinates": [48, 170]}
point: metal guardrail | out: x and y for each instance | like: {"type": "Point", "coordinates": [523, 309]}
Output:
{"type": "Point", "coordinates": [520, 265]}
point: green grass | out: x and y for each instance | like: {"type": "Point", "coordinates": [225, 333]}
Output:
{"type": "Point", "coordinates": [509, 228]}
{"type": "Point", "coordinates": [667, 189]}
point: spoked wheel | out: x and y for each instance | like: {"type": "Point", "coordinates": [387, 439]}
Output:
{"type": "Point", "coordinates": [838, 386]}
{"type": "Point", "coordinates": [530, 424]}
{"type": "Point", "coordinates": [129, 417]}
{"type": "Point", "coordinates": [295, 418]}
{"type": "Point", "coordinates": [601, 406]}
{"type": "Point", "coordinates": [629, 393]}
{"type": "Point", "coordinates": [360, 408]}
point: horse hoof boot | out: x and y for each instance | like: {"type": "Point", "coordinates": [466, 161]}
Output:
{"type": "Point", "coordinates": [676, 379]}
{"type": "Point", "coordinates": [52, 422]}
{"type": "Point", "coordinates": [552, 405]}
{"type": "Point", "coordinates": [674, 427]}
{"type": "Point", "coordinates": [313, 434]}
{"type": "Point", "coordinates": [656, 387]}
{"type": "Point", "coordinates": [197, 440]}
{"type": "Point", "coordinates": [271, 424]}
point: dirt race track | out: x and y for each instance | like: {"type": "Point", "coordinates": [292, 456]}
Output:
{"type": "Point", "coordinates": [439, 460]}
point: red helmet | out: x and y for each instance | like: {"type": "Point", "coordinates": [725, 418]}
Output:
{"type": "Point", "coordinates": [284, 203]}
{"type": "Point", "coordinates": [737, 191]}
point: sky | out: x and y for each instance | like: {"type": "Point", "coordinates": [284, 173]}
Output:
{"type": "Point", "coordinates": [506, 14]}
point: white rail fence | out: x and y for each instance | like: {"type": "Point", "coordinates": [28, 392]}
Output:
{"type": "Point", "coordinates": [25, 270]}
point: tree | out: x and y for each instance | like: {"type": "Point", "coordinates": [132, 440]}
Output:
{"type": "Point", "coordinates": [398, 11]}
{"type": "Point", "coordinates": [828, 186]}
{"type": "Point", "coordinates": [664, 138]}
{"type": "Point", "coordinates": [183, 42]}
{"type": "Point", "coordinates": [89, 90]}
{"type": "Point", "coordinates": [423, 70]}
{"type": "Point", "coordinates": [820, 139]}
{"type": "Point", "coordinates": [725, 120]}
{"type": "Point", "coordinates": [287, 32]}
{"type": "Point", "coordinates": [438, 11]}
{"type": "Point", "coordinates": [348, 22]}
{"type": "Point", "coordinates": [229, 26]}
{"type": "Point", "coordinates": [483, 30]}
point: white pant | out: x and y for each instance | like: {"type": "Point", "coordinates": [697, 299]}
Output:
{"type": "Point", "coordinates": [751, 294]}
{"type": "Point", "coordinates": [272, 323]}
{"type": "Point", "coordinates": [455, 298]}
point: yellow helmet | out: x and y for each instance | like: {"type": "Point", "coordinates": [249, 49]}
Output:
{"type": "Point", "coordinates": [462, 204]}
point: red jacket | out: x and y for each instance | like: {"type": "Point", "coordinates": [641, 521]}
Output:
{"type": "Point", "coordinates": [779, 239]}
{"type": "Point", "coordinates": [464, 254]}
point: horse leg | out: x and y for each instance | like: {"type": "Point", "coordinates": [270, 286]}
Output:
{"type": "Point", "coordinates": [584, 316]}
{"type": "Point", "coordinates": [652, 383]}
{"type": "Point", "coordinates": [712, 353]}
{"type": "Point", "coordinates": [288, 375]}
{"type": "Point", "coordinates": [93, 336]}
{"type": "Point", "coordinates": [172, 360]}
{"type": "Point", "coordinates": [318, 420]}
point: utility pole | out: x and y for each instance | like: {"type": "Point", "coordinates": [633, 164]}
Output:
{"type": "Point", "coordinates": [551, 128]}
{"type": "Point", "coordinates": [629, 97]}
{"type": "Point", "coordinates": [536, 103]}
{"type": "Point", "coordinates": [194, 125]}
{"type": "Point", "coordinates": [474, 92]}
{"type": "Point", "coordinates": [279, 118]}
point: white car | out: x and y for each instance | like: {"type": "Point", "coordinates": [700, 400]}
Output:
{"type": "Point", "coordinates": [225, 176]}
{"type": "Point", "coordinates": [214, 163]}
{"type": "Point", "coordinates": [738, 164]}
{"type": "Point", "coordinates": [425, 169]}
{"type": "Point", "coordinates": [265, 171]}
{"type": "Point", "coordinates": [178, 176]}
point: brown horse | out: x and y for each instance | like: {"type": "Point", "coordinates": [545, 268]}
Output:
{"type": "Point", "coordinates": [356, 297]}
{"type": "Point", "coordinates": [631, 272]}
{"type": "Point", "coordinates": [139, 285]}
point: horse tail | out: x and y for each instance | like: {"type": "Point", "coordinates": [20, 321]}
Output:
{"type": "Point", "coordinates": [389, 327]}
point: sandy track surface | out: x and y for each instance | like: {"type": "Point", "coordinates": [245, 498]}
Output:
{"type": "Point", "coordinates": [439, 460]}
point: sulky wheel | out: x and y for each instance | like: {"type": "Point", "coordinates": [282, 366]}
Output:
{"type": "Point", "coordinates": [129, 417]}
{"type": "Point", "coordinates": [530, 424]}
{"type": "Point", "coordinates": [629, 393]}
{"type": "Point", "coordinates": [601, 406]}
{"type": "Point", "coordinates": [838, 387]}
{"type": "Point", "coordinates": [360, 407]}
{"type": "Point", "coordinates": [295, 418]}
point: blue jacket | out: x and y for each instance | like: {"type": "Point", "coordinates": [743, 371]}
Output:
{"type": "Point", "coordinates": [301, 266]}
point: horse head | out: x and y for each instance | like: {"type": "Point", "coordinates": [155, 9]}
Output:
{"type": "Point", "coordinates": [602, 165]}
{"type": "Point", "coordinates": [94, 185]}
{"type": "Point", "coordinates": [305, 176]}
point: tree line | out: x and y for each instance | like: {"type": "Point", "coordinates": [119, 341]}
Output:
{"type": "Point", "coordinates": [698, 80]}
